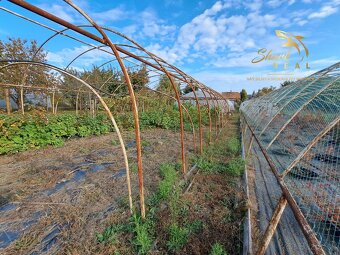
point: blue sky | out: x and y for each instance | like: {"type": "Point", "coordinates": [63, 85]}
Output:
{"type": "Point", "coordinates": [213, 41]}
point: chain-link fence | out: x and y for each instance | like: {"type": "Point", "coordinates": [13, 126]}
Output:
{"type": "Point", "coordinates": [294, 132]}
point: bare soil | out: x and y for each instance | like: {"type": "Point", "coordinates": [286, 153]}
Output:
{"type": "Point", "coordinates": [53, 200]}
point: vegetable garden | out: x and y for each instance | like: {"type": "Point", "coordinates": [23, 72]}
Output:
{"type": "Point", "coordinates": [111, 160]}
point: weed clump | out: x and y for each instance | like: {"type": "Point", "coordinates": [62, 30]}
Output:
{"type": "Point", "coordinates": [178, 237]}
{"type": "Point", "coordinates": [217, 249]}
{"type": "Point", "coordinates": [142, 229]}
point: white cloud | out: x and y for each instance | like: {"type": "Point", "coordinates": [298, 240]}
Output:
{"type": "Point", "coordinates": [239, 60]}
{"type": "Point", "coordinates": [326, 10]}
{"type": "Point", "coordinates": [62, 11]}
{"type": "Point", "coordinates": [214, 31]}
{"type": "Point", "coordinates": [254, 6]}
{"type": "Point", "coordinates": [110, 15]}
{"type": "Point", "coordinates": [153, 26]}
{"type": "Point", "coordinates": [130, 30]}
{"type": "Point", "coordinates": [69, 14]}
{"type": "Point", "coordinates": [324, 62]}
{"type": "Point", "coordinates": [66, 55]}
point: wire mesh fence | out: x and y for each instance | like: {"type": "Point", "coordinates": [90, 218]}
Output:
{"type": "Point", "coordinates": [297, 130]}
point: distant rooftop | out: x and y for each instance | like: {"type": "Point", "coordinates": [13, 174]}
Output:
{"type": "Point", "coordinates": [232, 95]}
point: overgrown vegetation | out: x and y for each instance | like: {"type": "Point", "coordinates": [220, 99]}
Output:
{"type": "Point", "coordinates": [37, 129]}
{"type": "Point", "coordinates": [22, 132]}
{"type": "Point", "coordinates": [213, 159]}
{"type": "Point", "coordinates": [206, 221]}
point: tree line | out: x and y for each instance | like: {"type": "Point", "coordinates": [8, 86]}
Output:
{"type": "Point", "coordinates": [20, 81]}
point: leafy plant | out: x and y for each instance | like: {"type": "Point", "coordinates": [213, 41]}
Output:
{"type": "Point", "coordinates": [19, 133]}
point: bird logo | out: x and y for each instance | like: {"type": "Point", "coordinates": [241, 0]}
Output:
{"type": "Point", "coordinates": [292, 41]}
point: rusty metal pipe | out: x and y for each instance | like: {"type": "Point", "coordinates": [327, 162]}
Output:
{"type": "Point", "coordinates": [108, 42]}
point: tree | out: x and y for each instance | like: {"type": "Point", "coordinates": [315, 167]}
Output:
{"type": "Point", "coordinates": [165, 85]}
{"type": "Point", "coordinates": [188, 89]}
{"type": "Point", "coordinates": [286, 83]}
{"type": "Point", "coordinates": [21, 49]}
{"type": "Point", "coordinates": [6, 94]}
{"type": "Point", "coordinates": [139, 78]}
{"type": "Point", "coordinates": [264, 91]}
{"type": "Point", "coordinates": [244, 95]}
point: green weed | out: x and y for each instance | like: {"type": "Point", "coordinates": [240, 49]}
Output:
{"type": "Point", "coordinates": [114, 142]}
{"type": "Point", "coordinates": [233, 145]}
{"type": "Point", "coordinates": [178, 237]}
{"type": "Point", "coordinates": [109, 234]}
{"type": "Point", "coordinates": [236, 166]}
{"type": "Point", "coordinates": [217, 249]}
{"type": "Point", "coordinates": [142, 240]}
{"type": "Point", "coordinates": [195, 226]}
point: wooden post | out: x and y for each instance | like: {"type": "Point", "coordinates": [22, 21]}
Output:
{"type": "Point", "coordinates": [77, 99]}
{"type": "Point", "coordinates": [56, 107]}
{"type": "Point", "coordinates": [46, 101]}
{"type": "Point", "coordinates": [81, 103]}
{"type": "Point", "coordinates": [95, 106]}
{"type": "Point", "coordinates": [90, 102]}
{"type": "Point", "coordinates": [250, 145]}
{"type": "Point", "coordinates": [92, 106]}
{"type": "Point", "coordinates": [53, 96]}
{"type": "Point", "coordinates": [22, 100]}
{"type": "Point", "coordinates": [274, 221]}
{"type": "Point", "coordinates": [8, 101]}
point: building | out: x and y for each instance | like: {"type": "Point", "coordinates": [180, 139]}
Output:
{"type": "Point", "coordinates": [232, 96]}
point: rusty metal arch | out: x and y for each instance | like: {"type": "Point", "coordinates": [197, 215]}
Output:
{"type": "Point", "coordinates": [185, 109]}
{"type": "Point", "coordinates": [160, 65]}
{"type": "Point", "coordinates": [93, 90]}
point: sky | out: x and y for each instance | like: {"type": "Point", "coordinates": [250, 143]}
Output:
{"type": "Point", "coordinates": [216, 42]}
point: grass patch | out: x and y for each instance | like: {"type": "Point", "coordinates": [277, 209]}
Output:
{"type": "Point", "coordinates": [217, 249]}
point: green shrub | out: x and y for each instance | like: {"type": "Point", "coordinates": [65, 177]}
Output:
{"type": "Point", "coordinates": [166, 186]}
{"type": "Point", "coordinates": [205, 165]}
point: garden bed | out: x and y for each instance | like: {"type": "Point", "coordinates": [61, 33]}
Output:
{"type": "Point", "coordinates": [73, 199]}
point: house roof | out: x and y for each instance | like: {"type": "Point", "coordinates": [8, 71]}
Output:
{"type": "Point", "coordinates": [232, 95]}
